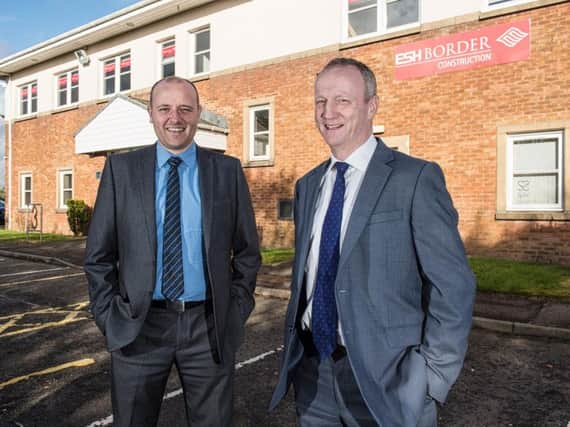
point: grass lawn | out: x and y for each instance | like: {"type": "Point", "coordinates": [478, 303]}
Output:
{"type": "Point", "coordinates": [7, 235]}
{"type": "Point", "coordinates": [275, 256]}
{"type": "Point", "coordinates": [523, 278]}
{"type": "Point", "coordinates": [493, 275]}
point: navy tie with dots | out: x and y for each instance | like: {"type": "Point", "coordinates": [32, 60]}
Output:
{"type": "Point", "coordinates": [172, 270]}
{"type": "Point", "coordinates": [324, 314]}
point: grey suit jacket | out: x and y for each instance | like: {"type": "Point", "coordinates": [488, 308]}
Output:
{"type": "Point", "coordinates": [404, 290]}
{"type": "Point", "coordinates": [120, 261]}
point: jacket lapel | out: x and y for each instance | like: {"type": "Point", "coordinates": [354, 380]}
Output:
{"type": "Point", "coordinates": [206, 194]}
{"type": "Point", "coordinates": [146, 191]}
{"type": "Point", "coordinates": [372, 185]}
{"type": "Point", "coordinates": [307, 210]}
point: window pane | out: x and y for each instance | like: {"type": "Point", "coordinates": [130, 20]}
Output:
{"type": "Point", "coordinates": [401, 12]}
{"type": "Point", "coordinates": [261, 121]}
{"type": "Point", "coordinates": [24, 107]}
{"type": "Point", "coordinates": [536, 154]}
{"type": "Point", "coordinates": [362, 22]}
{"type": "Point", "coordinates": [285, 209]}
{"type": "Point", "coordinates": [202, 63]}
{"type": "Point", "coordinates": [34, 105]}
{"type": "Point", "coordinates": [109, 68]}
{"type": "Point", "coordinates": [62, 97]}
{"type": "Point", "coordinates": [109, 86]}
{"type": "Point", "coordinates": [202, 41]}
{"type": "Point", "coordinates": [66, 197]}
{"type": "Point", "coordinates": [261, 142]}
{"type": "Point", "coordinates": [28, 198]}
{"type": "Point", "coordinates": [168, 70]}
{"type": "Point", "coordinates": [125, 81]}
{"type": "Point", "coordinates": [538, 189]}
{"type": "Point", "coordinates": [67, 180]}
{"type": "Point", "coordinates": [355, 4]}
{"type": "Point", "coordinates": [74, 94]}
{"type": "Point", "coordinates": [28, 183]}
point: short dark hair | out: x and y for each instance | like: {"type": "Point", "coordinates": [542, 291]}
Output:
{"type": "Point", "coordinates": [365, 71]}
{"type": "Point", "coordinates": [173, 79]}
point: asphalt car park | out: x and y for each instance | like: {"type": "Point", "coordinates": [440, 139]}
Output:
{"type": "Point", "coordinates": [54, 367]}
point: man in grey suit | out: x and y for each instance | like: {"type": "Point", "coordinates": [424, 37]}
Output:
{"type": "Point", "coordinates": [381, 294]}
{"type": "Point", "coordinates": [171, 260]}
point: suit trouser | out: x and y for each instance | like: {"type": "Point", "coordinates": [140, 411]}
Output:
{"type": "Point", "coordinates": [327, 394]}
{"type": "Point", "coordinates": [141, 369]}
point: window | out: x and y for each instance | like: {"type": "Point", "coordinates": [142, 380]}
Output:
{"type": "Point", "coordinates": [374, 16]}
{"type": "Point", "coordinates": [532, 183]}
{"type": "Point", "coordinates": [202, 51]}
{"type": "Point", "coordinates": [29, 98]}
{"type": "Point", "coordinates": [117, 74]}
{"type": "Point", "coordinates": [65, 188]}
{"type": "Point", "coordinates": [167, 58]}
{"type": "Point", "coordinates": [68, 88]}
{"type": "Point", "coordinates": [285, 209]}
{"type": "Point", "coordinates": [25, 190]}
{"type": "Point", "coordinates": [259, 133]}
{"type": "Point", "coordinates": [534, 171]}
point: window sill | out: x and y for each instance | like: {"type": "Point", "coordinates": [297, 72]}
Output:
{"type": "Point", "coordinates": [61, 210]}
{"type": "Point", "coordinates": [375, 37]}
{"type": "Point", "coordinates": [199, 77]}
{"type": "Point", "coordinates": [257, 163]}
{"type": "Point", "coordinates": [26, 117]}
{"type": "Point", "coordinates": [532, 216]}
{"type": "Point", "coordinates": [64, 108]}
{"type": "Point", "coordinates": [499, 10]}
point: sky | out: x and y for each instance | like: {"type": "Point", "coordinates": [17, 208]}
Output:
{"type": "Point", "coordinates": [25, 23]}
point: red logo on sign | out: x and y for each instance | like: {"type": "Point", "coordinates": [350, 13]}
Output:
{"type": "Point", "coordinates": [498, 44]}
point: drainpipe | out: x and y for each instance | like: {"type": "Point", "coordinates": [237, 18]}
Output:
{"type": "Point", "coordinates": [6, 80]}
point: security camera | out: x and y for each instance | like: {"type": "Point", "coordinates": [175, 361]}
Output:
{"type": "Point", "coordinates": [82, 57]}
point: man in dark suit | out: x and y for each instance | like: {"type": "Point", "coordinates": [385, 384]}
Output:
{"type": "Point", "coordinates": [381, 294]}
{"type": "Point", "coordinates": [171, 260]}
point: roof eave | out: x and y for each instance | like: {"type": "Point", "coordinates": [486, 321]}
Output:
{"type": "Point", "coordinates": [120, 22]}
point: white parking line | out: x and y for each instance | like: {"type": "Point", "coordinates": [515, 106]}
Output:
{"type": "Point", "coordinates": [43, 279]}
{"type": "Point", "coordinates": [109, 420]}
{"type": "Point", "coordinates": [21, 273]}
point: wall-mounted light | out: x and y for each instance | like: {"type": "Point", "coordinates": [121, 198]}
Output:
{"type": "Point", "coordinates": [82, 57]}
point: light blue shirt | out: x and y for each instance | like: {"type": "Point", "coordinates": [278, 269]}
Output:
{"type": "Point", "coordinates": [191, 222]}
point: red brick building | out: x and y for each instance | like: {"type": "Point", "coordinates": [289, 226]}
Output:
{"type": "Point", "coordinates": [498, 128]}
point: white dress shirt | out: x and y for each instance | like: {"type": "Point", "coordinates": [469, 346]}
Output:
{"type": "Point", "coordinates": [358, 163]}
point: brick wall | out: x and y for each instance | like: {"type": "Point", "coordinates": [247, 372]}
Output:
{"type": "Point", "coordinates": [450, 118]}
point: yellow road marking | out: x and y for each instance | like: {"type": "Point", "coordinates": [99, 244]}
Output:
{"type": "Point", "coordinates": [77, 364]}
{"type": "Point", "coordinates": [70, 314]}
{"type": "Point", "coordinates": [43, 279]}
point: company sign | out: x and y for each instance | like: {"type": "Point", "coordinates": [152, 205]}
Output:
{"type": "Point", "coordinates": [498, 44]}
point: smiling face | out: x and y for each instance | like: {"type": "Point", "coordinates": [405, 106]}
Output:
{"type": "Point", "coordinates": [342, 113]}
{"type": "Point", "coordinates": [174, 112]}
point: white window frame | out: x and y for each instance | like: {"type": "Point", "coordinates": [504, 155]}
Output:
{"type": "Point", "coordinates": [30, 97]}
{"type": "Point", "coordinates": [23, 191]}
{"type": "Point", "coordinates": [511, 139]}
{"type": "Point", "coordinates": [382, 19]}
{"type": "Point", "coordinates": [69, 87]}
{"type": "Point", "coordinates": [197, 53]}
{"type": "Point", "coordinates": [61, 189]}
{"type": "Point", "coordinates": [168, 60]}
{"type": "Point", "coordinates": [251, 152]}
{"type": "Point", "coordinates": [117, 73]}
{"type": "Point", "coordinates": [497, 4]}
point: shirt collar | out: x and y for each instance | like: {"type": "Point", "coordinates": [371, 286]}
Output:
{"type": "Point", "coordinates": [360, 157]}
{"type": "Point", "coordinates": [188, 156]}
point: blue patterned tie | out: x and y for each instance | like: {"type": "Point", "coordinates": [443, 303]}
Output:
{"type": "Point", "coordinates": [172, 270]}
{"type": "Point", "coordinates": [324, 315]}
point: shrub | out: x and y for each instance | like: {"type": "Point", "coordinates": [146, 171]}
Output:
{"type": "Point", "coordinates": [78, 216]}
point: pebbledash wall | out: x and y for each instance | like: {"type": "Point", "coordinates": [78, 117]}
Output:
{"type": "Point", "coordinates": [459, 119]}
